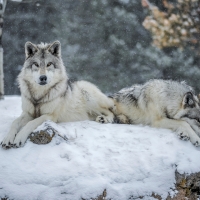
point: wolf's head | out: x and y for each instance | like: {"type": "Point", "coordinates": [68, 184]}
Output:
{"type": "Point", "coordinates": [191, 112]}
{"type": "Point", "coordinates": [43, 64]}
{"type": "Point", "coordinates": [189, 107]}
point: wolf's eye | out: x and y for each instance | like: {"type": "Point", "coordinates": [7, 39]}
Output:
{"type": "Point", "coordinates": [36, 64]}
{"type": "Point", "coordinates": [49, 64]}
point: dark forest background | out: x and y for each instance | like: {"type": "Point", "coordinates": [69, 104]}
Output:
{"type": "Point", "coordinates": [103, 41]}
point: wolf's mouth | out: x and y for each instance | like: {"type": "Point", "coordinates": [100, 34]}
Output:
{"type": "Point", "coordinates": [43, 83]}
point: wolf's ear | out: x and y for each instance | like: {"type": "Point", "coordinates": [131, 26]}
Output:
{"type": "Point", "coordinates": [55, 48]}
{"type": "Point", "coordinates": [30, 49]}
{"type": "Point", "coordinates": [188, 100]}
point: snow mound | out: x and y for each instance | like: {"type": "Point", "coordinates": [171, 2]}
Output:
{"type": "Point", "coordinates": [126, 160]}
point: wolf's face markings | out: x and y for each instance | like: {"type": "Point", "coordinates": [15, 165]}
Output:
{"type": "Point", "coordinates": [42, 64]}
{"type": "Point", "coordinates": [43, 71]}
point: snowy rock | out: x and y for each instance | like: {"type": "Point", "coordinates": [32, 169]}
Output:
{"type": "Point", "coordinates": [123, 161]}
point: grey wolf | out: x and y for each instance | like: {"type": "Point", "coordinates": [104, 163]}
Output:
{"type": "Point", "coordinates": [48, 94]}
{"type": "Point", "coordinates": [163, 104]}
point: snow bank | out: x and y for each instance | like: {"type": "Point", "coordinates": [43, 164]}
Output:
{"type": "Point", "coordinates": [125, 160]}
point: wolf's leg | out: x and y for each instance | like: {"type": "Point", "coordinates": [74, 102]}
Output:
{"type": "Point", "coordinates": [22, 136]}
{"type": "Point", "coordinates": [97, 102]}
{"type": "Point", "coordinates": [194, 124]}
{"type": "Point", "coordinates": [15, 127]}
{"type": "Point", "coordinates": [181, 127]}
{"type": "Point", "coordinates": [106, 117]}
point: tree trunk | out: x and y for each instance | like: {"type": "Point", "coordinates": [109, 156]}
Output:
{"type": "Point", "coordinates": [2, 9]}
{"type": "Point", "coordinates": [1, 75]}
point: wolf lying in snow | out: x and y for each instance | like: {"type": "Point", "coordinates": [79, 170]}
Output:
{"type": "Point", "coordinates": [163, 104]}
{"type": "Point", "coordinates": [48, 94]}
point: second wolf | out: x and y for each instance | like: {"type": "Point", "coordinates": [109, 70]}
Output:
{"type": "Point", "coordinates": [161, 103]}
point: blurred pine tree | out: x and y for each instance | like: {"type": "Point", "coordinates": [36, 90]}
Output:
{"type": "Point", "coordinates": [103, 41]}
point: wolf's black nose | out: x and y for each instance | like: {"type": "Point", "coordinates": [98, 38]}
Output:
{"type": "Point", "coordinates": [43, 78]}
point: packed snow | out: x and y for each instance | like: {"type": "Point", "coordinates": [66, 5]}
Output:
{"type": "Point", "coordinates": [126, 160]}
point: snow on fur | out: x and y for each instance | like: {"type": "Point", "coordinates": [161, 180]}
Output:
{"type": "Point", "coordinates": [126, 160]}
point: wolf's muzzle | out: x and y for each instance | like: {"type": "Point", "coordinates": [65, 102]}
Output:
{"type": "Point", "coordinates": [43, 80]}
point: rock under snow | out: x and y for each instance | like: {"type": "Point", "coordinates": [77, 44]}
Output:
{"type": "Point", "coordinates": [126, 160]}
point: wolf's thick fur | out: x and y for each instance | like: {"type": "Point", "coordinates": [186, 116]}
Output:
{"type": "Point", "coordinates": [163, 104]}
{"type": "Point", "coordinates": [48, 94]}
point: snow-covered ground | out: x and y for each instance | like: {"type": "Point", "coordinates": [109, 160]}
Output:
{"type": "Point", "coordinates": [126, 160]}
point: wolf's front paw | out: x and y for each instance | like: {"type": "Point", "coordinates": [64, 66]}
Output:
{"type": "Point", "coordinates": [195, 140]}
{"type": "Point", "coordinates": [184, 136]}
{"type": "Point", "coordinates": [196, 144]}
{"type": "Point", "coordinates": [104, 119]}
{"type": "Point", "coordinates": [7, 143]}
{"type": "Point", "coordinates": [101, 119]}
{"type": "Point", "coordinates": [19, 141]}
